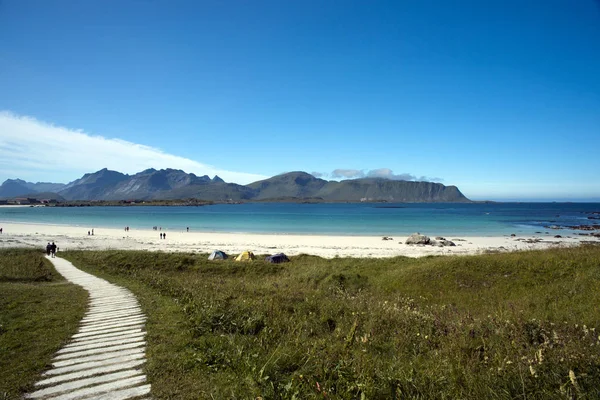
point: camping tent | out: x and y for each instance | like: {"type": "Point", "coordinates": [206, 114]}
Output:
{"type": "Point", "coordinates": [217, 255]}
{"type": "Point", "coordinates": [277, 258]}
{"type": "Point", "coordinates": [245, 256]}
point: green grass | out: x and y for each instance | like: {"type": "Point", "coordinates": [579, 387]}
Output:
{"type": "Point", "coordinates": [39, 311]}
{"type": "Point", "coordinates": [500, 326]}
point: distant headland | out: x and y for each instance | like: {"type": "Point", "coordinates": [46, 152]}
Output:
{"type": "Point", "coordinates": [176, 187]}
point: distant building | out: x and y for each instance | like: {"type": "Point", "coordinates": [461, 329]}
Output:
{"type": "Point", "coordinates": [21, 200]}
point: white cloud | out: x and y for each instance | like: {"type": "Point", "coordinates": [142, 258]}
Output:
{"type": "Point", "coordinates": [347, 173]}
{"type": "Point", "coordinates": [35, 150]}
{"type": "Point", "coordinates": [389, 174]}
{"type": "Point", "coordinates": [380, 173]}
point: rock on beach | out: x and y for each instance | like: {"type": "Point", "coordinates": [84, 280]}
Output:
{"type": "Point", "coordinates": [417, 238]}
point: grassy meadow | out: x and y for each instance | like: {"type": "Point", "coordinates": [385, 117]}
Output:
{"type": "Point", "coordinates": [39, 311]}
{"type": "Point", "coordinates": [498, 326]}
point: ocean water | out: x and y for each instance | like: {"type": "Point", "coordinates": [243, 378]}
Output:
{"type": "Point", "coordinates": [323, 219]}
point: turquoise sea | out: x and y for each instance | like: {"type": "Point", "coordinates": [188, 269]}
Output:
{"type": "Point", "coordinates": [322, 219]}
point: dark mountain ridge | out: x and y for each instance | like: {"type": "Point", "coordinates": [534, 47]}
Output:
{"type": "Point", "coordinates": [291, 184]}
{"type": "Point", "coordinates": [18, 187]}
{"type": "Point", "coordinates": [170, 184]}
{"type": "Point", "coordinates": [380, 189]}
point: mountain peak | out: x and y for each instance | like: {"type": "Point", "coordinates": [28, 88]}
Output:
{"type": "Point", "coordinates": [18, 181]}
{"type": "Point", "coordinates": [289, 184]}
{"type": "Point", "coordinates": [295, 174]}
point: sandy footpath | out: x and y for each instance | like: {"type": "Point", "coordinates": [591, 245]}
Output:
{"type": "Point", "coordinates": [71, 238]}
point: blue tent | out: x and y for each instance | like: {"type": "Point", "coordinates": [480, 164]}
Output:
{"type": "Point", "coordinates": [277, 258]}
{"type": "Point", "coordinates": [217, 255]}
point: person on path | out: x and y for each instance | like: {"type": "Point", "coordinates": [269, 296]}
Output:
{"type": "Point", "coordinates": [165, 235]}
{"type": "Point", "coordinates": [53, 249]}
{"type": "Point", "coordinates": [48, 248]}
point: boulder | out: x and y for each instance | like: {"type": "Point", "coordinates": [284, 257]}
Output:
{"type": "Point", "coordinates": [417, 238]}
{"type": "Point", "coordinates": [442, 243]}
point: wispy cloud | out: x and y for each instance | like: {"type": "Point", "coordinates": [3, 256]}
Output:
{"type": "Point", "coordinates": [35, 150]}
{"type": "Point", "coordinates": [380, 173]}
{"type": "Point", "coordinates": [389, 174]}
{"type": "Point", "coordinates": [347, 173]}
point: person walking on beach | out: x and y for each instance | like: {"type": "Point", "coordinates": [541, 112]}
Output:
{"type": "Point", "coordinates": [165, 235]}
{"type": "Point", "coordinates": [48, 249]}
{"type": "Point", "coordinates": [53, 249]}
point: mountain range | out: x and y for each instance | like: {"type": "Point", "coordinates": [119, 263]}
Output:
{"type": "Point", "coordinates": [167, 184]}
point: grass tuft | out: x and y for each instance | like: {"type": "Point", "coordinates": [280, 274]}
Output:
{"type": "Point", "coordinates": [39, 311]}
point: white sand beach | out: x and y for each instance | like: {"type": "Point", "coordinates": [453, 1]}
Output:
{"type": "Point", "coordinates": [77, 238]}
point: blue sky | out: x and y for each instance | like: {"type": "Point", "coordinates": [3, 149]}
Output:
{"type": "Point", "coordinates": [500, 98]}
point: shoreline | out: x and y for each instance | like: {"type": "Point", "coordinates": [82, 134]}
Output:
{"type": "Point", "coordinates": [69, 237]}
{"type": "Point", "coordinates": [546, 233]}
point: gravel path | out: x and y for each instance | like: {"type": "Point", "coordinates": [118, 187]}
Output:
{"type": "Point", "coordinates": [104, 359]}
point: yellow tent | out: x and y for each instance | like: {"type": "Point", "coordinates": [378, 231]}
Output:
{"type": "Point", "coordinates": [245, 256]}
